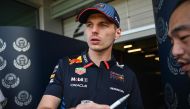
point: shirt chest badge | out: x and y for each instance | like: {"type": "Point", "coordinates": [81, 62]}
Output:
{"type": "Point", "coordinates": [80, 70]}
{"type": "Point", "coordinates": [76, 60]}
{"type": "Point", "coordinates": [117, 76]}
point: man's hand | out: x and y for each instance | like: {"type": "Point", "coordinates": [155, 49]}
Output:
{"type": "Point", "coordinates": [92, 105]}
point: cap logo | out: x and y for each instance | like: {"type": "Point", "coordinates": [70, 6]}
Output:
{"type": "Point", "coordinates": [100, 5]}
{"type": "Point", "coordinates": [117, 19]}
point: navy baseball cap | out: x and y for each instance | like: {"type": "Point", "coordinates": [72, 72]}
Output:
{"type": "Point", "coordinates": [106, 9]}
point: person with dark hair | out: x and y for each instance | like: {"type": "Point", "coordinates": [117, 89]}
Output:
{"type": "Point", "coordinates": [94, 79]}
{"type": "Point", "coordinates": [179, 33]}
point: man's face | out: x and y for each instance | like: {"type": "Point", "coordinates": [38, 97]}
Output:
{"type": "Point", "coordinates": [100, 32]}
{"type": "Point", "coordinates": [179, 33]}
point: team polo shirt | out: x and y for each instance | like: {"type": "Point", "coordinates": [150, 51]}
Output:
{"type": "Point", "coordinates": [78, 79]}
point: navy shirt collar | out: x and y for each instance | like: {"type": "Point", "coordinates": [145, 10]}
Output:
{"type": "Point", "coordinates": [87, 62]}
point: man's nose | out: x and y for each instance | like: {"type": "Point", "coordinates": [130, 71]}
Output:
{"type": "Point", "coordinates": [95, 29]}
{"type": "Point", "coordinates": [177, 49]}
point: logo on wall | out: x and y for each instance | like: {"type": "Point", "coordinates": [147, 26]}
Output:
{"type": "Point", "coordinates": [3, 63]}
{"type": "Point", "coordinates": [23, 98]}
{"type": "Point", "coordinates": [22, 62]}
{"type": "Point", "coordinates": [173, 66]}
{"type": "Point", "coordinates": [162, 30]}
{"type": "Point", "coordinates": [21, 44]}
{"type": "Point", "coordinates": [10, 81]}
{"type": "Point", "coordinates": [170, 97]}
{"type": "Point", "coordinates": [2, 45]}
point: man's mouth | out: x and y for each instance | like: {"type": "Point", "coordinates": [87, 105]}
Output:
{"type": "Point", "coordinates": [94, 40]}
{"type": "Point", "coordinates": [186, 67]}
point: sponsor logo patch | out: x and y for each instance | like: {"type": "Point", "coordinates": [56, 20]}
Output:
{"type": "Point", "coordinates": [77, 60]}
{"type": "Point", "coordinates": [79, 85]}
{"type": "Point", "coordinates": [52, 78]}
{"type": "Point", "coordinates": [55, 69]}
{"type": "Point", "coordinates": [78, 79]}
{"type": "Point", "coordinates": [116, 76]}
{"type": "Point", "coordinates": [85, 58]}
{"type": "Point", "coordinates": [121, 66]}
{"type": "Point", "coordinates": [80, 70]}
{"type": "Point", "coordinates": [116, 89]}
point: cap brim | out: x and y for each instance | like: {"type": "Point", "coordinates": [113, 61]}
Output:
{"type": "Point", "coordinates": [83, 16]}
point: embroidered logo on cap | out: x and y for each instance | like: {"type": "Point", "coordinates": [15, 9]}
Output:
{"type": "Point", "coordinates": [100, 5]}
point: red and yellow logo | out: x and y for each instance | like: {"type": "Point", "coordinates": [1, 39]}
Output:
{"type": "Point", "coordinates": [76, 60]}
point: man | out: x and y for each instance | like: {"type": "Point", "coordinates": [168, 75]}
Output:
{"type": "Point", "coordinates": [93, 80]}
{"type": "Point", "coordinates": [179, 32]}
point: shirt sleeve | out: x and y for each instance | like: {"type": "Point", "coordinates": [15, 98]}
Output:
{"type": "Point", "coordinates": [55, 86]}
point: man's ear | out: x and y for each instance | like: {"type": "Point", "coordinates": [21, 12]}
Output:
{"type": "Point", "coordinates": [117, 33]}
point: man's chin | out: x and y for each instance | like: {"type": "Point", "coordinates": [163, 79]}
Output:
{"type": "Point", "coordinates": [97, 49]}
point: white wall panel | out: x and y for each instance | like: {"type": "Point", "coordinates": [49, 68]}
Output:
{"type": "Point", "coordinates": [140, 13]}
{"type": "Point", "coordinates": [70, 25]}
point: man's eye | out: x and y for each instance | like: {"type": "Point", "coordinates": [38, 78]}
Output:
{"type": "Point", "coordinates": [185, 38]}
{"type": "Point", "coordinates": [105, 25]}
{"type": "Point", "coordinates": [88, 25]}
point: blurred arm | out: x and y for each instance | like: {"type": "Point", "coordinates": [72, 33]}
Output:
{"type": "Point", "coordinates": [49, 102]}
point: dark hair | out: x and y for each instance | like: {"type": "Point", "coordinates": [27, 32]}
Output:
{"type": "Point", "coordinates": [180, 3]}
